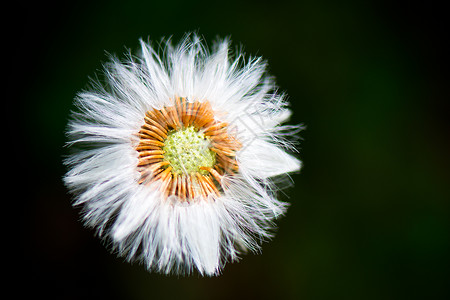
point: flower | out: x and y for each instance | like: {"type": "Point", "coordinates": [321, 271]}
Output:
{"type": "Point", "coordinates": [175, 156]}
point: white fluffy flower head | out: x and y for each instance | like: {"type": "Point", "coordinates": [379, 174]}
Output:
{"type": "Point", "coordinates": [175, 155]}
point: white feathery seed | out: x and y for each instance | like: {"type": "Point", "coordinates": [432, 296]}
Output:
{"type": "Point", "coordinates": [142, 219]}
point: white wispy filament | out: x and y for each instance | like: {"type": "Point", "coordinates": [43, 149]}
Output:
{"type": "Point", "coordinates": [165, 227]}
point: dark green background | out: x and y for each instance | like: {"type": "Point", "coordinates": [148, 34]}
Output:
{"type": "Point", "coordinates": [369, 215]}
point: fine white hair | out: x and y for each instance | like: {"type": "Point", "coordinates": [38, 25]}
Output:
{"type": "Point", "coordinates": [164, 233]}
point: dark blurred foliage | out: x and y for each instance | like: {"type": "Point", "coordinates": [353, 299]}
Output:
{"type": "Point", "coordinates": [369, 215]}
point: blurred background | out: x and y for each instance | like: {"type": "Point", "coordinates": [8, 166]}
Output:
{"type": "Point", "coordinates": [369, 210]}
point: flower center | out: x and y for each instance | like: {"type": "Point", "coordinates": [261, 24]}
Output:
{"type": "Point", "coordinates": [187, 150]}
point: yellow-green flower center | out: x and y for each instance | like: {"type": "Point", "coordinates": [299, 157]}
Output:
{"type": "Point", "coordinates": [187, 150]}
